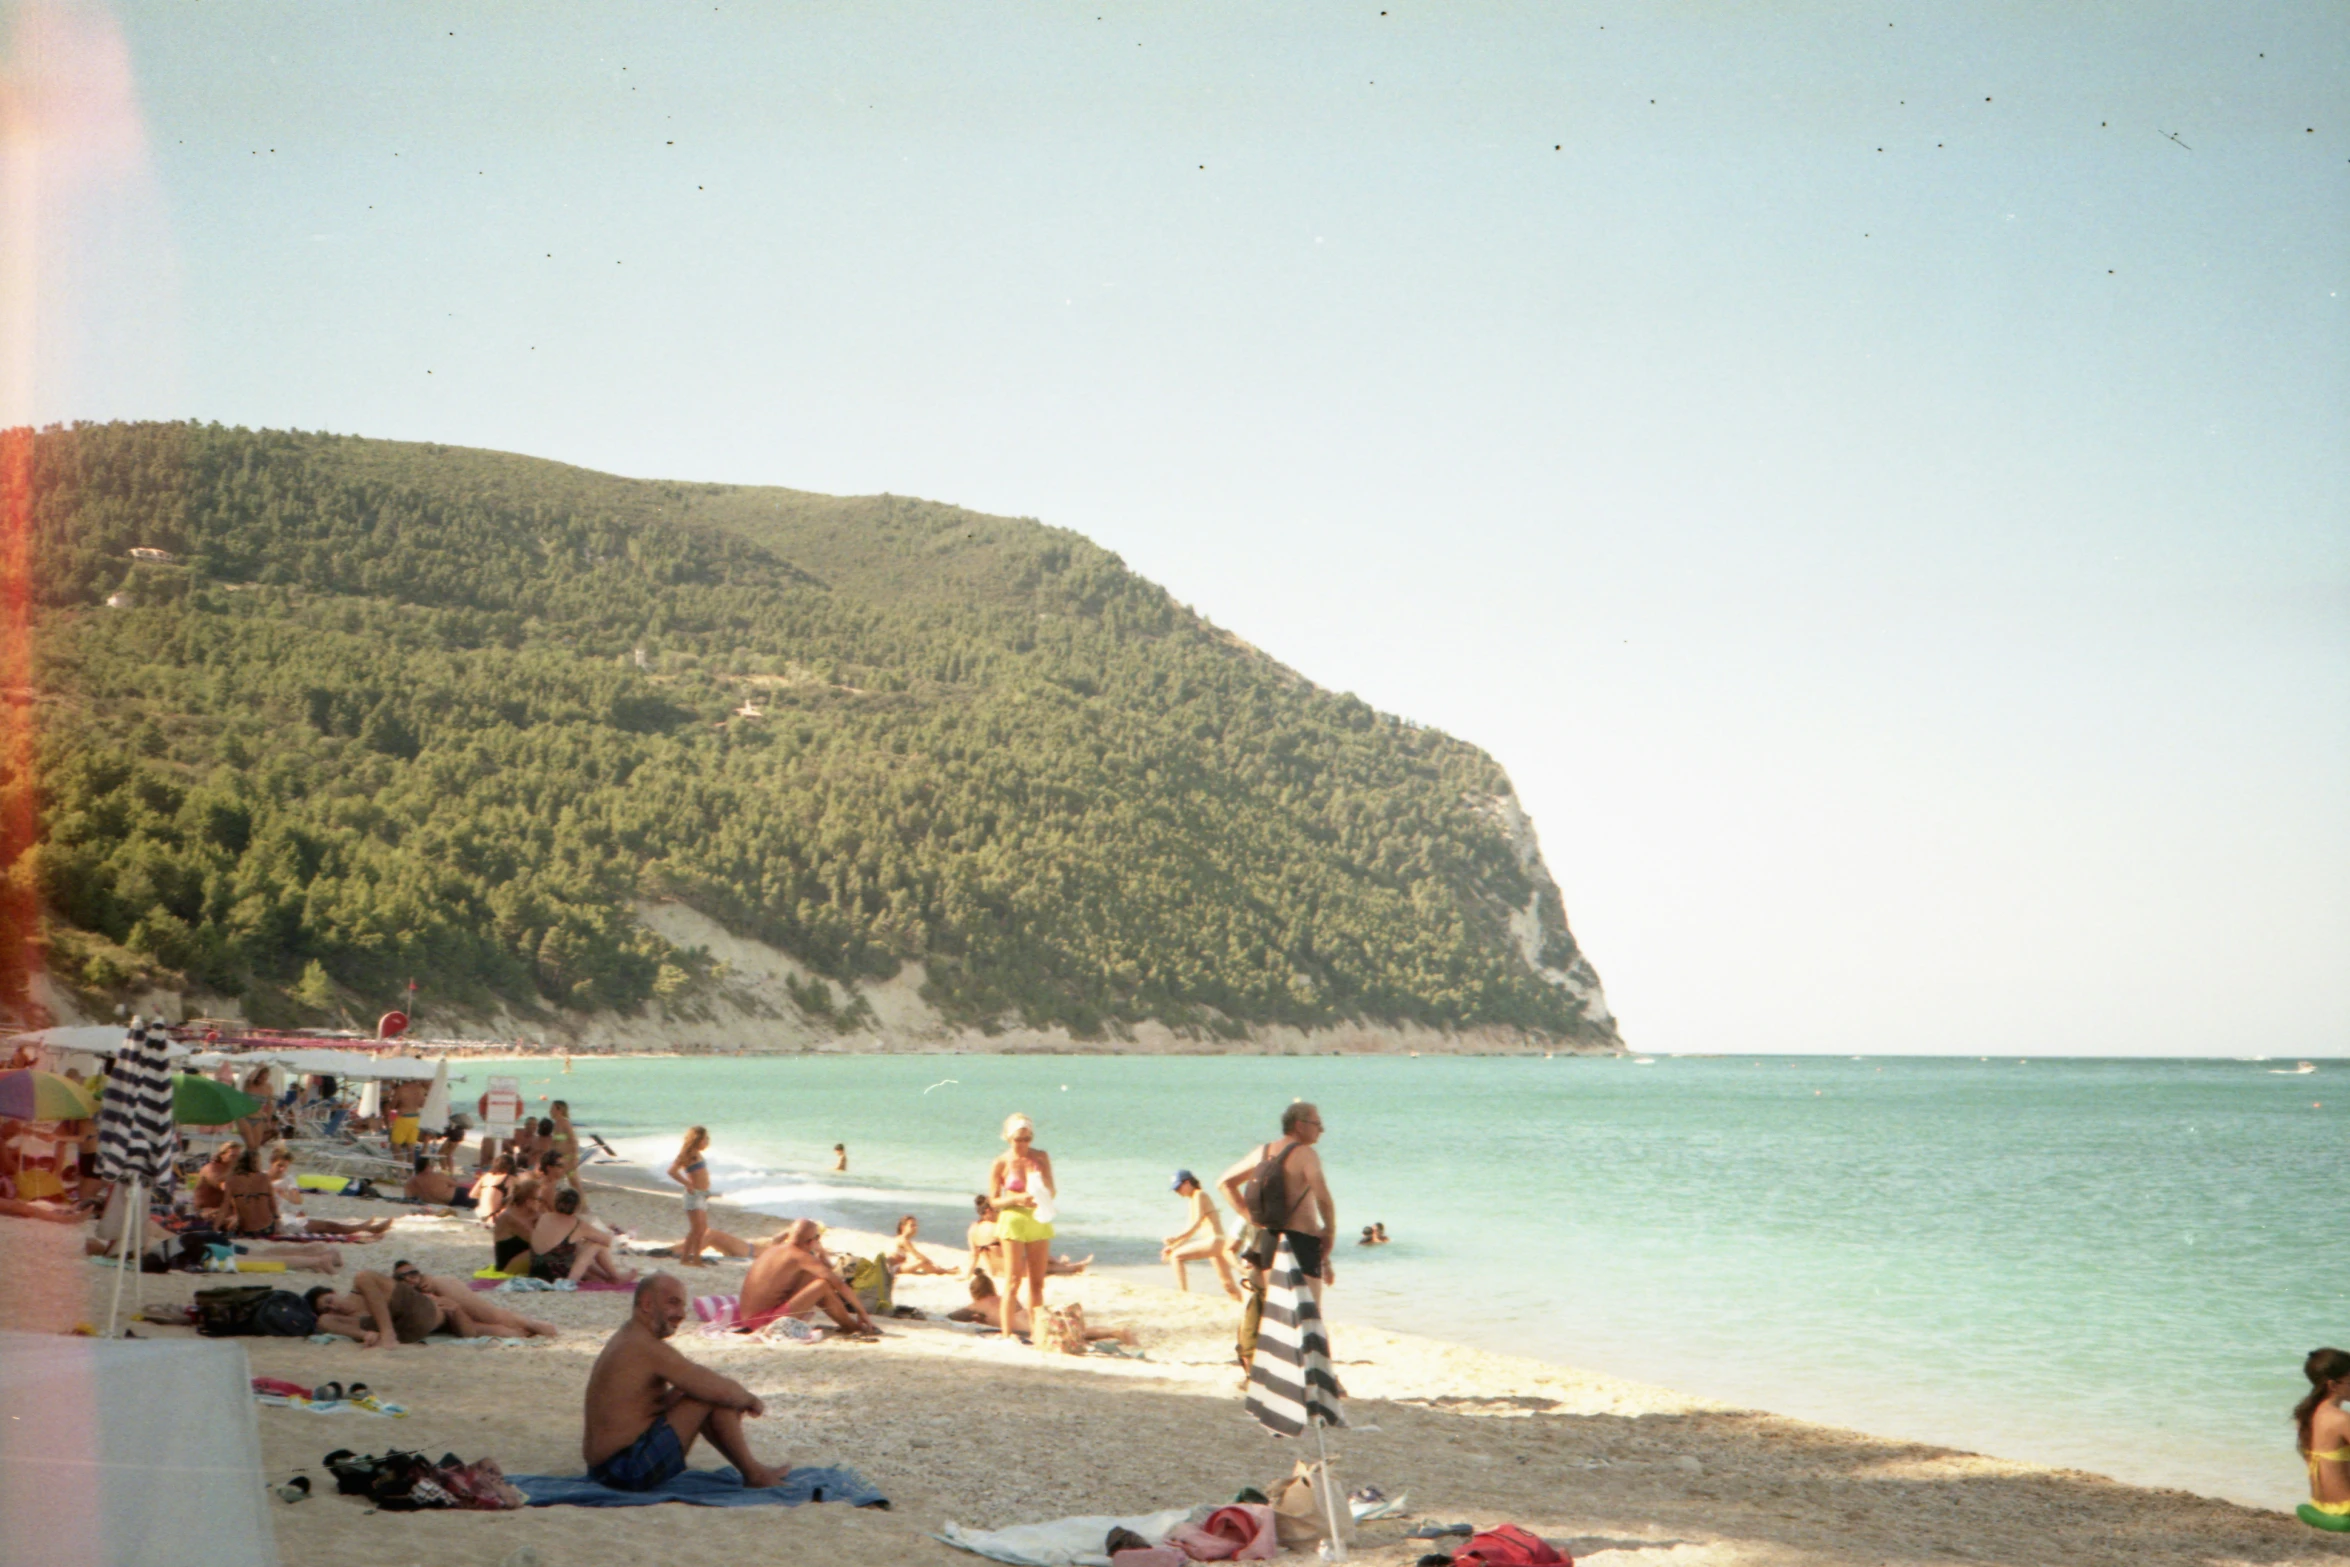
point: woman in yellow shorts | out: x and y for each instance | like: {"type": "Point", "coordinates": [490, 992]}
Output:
{"type": "Point", "coordinates": [2325, 1440]}
{"type": "Point", "coordinates": [1020, 1187]}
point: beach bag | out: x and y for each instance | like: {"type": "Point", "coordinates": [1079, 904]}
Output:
{"type": "Point", "coordinates": [1507, 1545]}
{"type": "Point", "coordinates": [1299, 1518]}
{"type": "Point", "coordinates": [1266, 1198]}
{"type": "Point", "coordinates": [870, 1280]}
{"type": "Point", "coordinates": [253, 1311]}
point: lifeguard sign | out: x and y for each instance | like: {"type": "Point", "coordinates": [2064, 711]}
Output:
{"type": "Point", "coordinates": [502, 1106]}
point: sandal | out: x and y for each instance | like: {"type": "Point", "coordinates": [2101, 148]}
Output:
{"type": "Point", "coordinates": [356, 1390]}
{"type": "Point", "coordinates": [326, 1393]}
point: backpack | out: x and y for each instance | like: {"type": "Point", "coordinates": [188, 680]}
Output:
{"type": "Point", "coordinates": [871, 1281]}
{"type": "Point", "coordinates": [253, 1311]}
{"type": "Point", "coordinates": [1266, 1196]}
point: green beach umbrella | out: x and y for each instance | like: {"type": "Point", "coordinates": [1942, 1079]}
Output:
{"type": "Point", "coordinates": [199, 1101]}
{"type": "Point", "coordinates": [29, 1095]}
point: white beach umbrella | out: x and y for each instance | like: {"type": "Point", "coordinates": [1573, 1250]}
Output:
{"type": "Point", "coordinates": [434, 1117]}
{"type": "Point", "coordinates": [1290, 1384]}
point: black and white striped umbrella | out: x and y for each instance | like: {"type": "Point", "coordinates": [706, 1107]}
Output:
{"type": "Point", "coordinates": [136, 1137]}
{"type": "Point", "coordinates": [1290, 1385]}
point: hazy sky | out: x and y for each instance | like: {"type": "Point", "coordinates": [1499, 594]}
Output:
{"type": "Point", "coordinates": [1875, 475]}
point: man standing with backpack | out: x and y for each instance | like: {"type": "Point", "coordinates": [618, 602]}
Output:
{"type": "Point", "coordinates": [1280, 1190]}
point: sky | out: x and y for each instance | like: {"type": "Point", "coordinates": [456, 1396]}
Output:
{"type": "Point", "coordinates": [1874, 474]}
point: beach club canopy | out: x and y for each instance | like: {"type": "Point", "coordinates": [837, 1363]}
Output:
{"type": "Point", "coordinates": [136, 1137]}
{"type": "Point", "coordinates": [1289, 1382]}
{"type": "Point", "coordinates": [326, 1063]}
{"type": "Point", "coordinates": [115, 1451]}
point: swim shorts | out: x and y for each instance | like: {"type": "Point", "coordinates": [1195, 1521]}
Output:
{"type": "Point", "coordinates": [1020, 1226]}
{"type": "Point", "coordinates": [1308, 1250]}
{"type": "Point", "coordinates": [652, 1459]}
{"type": "Point", "coordinates": [696, 1202]}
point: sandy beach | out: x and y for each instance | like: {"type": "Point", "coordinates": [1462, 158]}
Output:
{"type": "Point", "coordinates": [983, 1431]}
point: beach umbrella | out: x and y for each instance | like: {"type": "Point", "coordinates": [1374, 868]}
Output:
{"type": "Point", "coordinates": [137, 1141]}
{"type": "Point", "coordinates": [199, 1101]}
{"type": "Point", "coordinates": [434, 1117]}
{"type": "Point", "coordinates": [33, 1095]}
{"type": "Point", "coordinates": [1290, 1384]}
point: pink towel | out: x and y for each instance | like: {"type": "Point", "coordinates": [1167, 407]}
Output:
{"type": "Point", "coordinates": [1242, 1532]}
{"type": "Point", "coordinates": [720, 1309]}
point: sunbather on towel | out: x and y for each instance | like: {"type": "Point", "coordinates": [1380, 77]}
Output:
{"type": "Point", "coordinates": [647, 1404]}
{"type": "Point", "coordinates": [792, 1279]}
{"type": "Point", "coordinates": [407, 1308]}
{"type": "Point", "coordinates": [432, 1184]}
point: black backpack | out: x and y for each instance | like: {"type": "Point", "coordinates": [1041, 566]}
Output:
{"type": "Point", "coordinates": [253, 1311]}
{"type": "Point", "coordinates": [1267, 1192]}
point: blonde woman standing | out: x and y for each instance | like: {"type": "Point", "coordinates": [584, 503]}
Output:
{"type": "Point", "coordinates": [1020, 1187]}
{"type": "Point", "coordinates": [692, 1171]}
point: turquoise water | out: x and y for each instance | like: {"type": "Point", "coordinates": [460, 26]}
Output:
{"type": "Point", "coordinates": [2116, 1265]}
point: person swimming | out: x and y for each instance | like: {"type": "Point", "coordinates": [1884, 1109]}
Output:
{"type": "Point", "coordinates": [2324, 1439]}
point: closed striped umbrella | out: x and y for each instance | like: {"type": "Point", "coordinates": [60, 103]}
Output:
{"type": "Point", "coordinates": [1290, 1385]}
{"type": "Point", "coordinates": [136, 1137]}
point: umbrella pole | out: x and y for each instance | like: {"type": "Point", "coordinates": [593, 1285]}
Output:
{"type": "Point", "coordinates": [124, 1255]}
{"type": "Point", "coordinates": [1329, 1491]}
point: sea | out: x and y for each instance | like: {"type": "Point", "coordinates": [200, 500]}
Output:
{"type": "Point", "coordinates": [2113, 1265]}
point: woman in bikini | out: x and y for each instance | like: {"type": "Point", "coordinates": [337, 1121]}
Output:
{"type": "Point", "coordinates": [908, 1257]}
{"type": "Point", "coordinates": [489, 1188]}
{"type": "Point", "coordinates": [1018, 1183]}
{"type": "Point", "coordinates": [253, 1196]}
{"type": "Point", "coordinates": [2325, 1440]}
{"type": "Point", "coordinates": [511, 1231]}
{"type": "Point", "coordinates": [565, 1246]}
{"type": "Point", "coordinates": [692, 1171]}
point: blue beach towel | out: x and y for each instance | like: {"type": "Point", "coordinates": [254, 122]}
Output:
{"type": "Point", "coordinates": [704, 1488]}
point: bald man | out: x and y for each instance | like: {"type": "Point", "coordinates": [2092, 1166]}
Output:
{"type": "Point", "coordinates": [647, 1404]}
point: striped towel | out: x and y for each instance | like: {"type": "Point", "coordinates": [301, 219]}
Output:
{"type": "Point", "coordinates": [719, 1311]}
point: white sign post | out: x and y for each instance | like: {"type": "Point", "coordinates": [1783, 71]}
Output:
{"type": "Point", "coordinates": [502, 1108]}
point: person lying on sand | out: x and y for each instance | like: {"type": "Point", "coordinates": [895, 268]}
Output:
{"type": "Point", "coordinates": [908, 1257]}
{"type": "Point", "coordinates": [792, 1279]}
{"type": "Point", "coordinates": [409, 1308]}
{"type": "Point", "coordinates": [430, 1183]}
{"type": "Point", "coordinates": [18, 1208]}
{"type": "Point", "coordinates": [647, 1404]}
{"type": "Point", "coordinates": [986, 1308]}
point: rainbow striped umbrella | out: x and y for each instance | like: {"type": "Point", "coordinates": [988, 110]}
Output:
{"type": "Point", "coordinates": [31, 1095]}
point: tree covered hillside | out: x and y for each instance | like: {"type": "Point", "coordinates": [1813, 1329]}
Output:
{"type": "Point", "coordinates": [398, 711]}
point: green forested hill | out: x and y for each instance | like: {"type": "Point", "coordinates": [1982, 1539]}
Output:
{"type": "Point", "coordinates": [399, 710]}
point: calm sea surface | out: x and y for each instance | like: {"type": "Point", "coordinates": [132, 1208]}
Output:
{"type": "Point", "coordinates": [2116, 1265]}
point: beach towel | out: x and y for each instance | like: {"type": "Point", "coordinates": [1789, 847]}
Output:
{"type": "Point", "coordinates": [1063, 1542]}
{"type": "Point", "coordinates": [705, 1488]}
{"type": "Point", "coordinates": [514, 1286]}
{"type": "Point", "coordinates": [718, 1310]}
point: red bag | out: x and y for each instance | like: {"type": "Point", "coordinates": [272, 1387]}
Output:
{"type": "Point", "coordinates": [1507, 1545]}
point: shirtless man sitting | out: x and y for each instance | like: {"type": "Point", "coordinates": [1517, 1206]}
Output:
{"type": "Point", "coordinates": [647, 1404]}
{"type": "Point", "coordinates": [791, 1278]}
{"type": "Point", "coordinates": [409, 1308]}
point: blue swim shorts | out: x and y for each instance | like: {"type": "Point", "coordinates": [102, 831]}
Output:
{"type": "Point", "coordinates": [651, 1460]}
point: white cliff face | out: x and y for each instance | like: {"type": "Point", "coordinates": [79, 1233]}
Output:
{"type": "Point", "coordinates": [1531, 926]}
